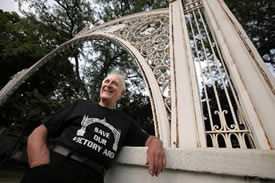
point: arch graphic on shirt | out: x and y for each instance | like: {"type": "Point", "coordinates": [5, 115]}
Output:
{"type": "Point", "coordinates": [86, 121]}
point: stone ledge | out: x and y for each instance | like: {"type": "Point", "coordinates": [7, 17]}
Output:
{"type": "Point", "coordinates": [236, 162]}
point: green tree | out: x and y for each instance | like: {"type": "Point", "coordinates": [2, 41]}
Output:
{"type": "Point", "coordinates": [64, 19]}
{"type": "Point", "coordinates": [118, 8]}
{"type": "Point", "coordinates": [23, 42]}
{"type": "Point", "coordinates": [257, 19]}
{"type": "Point", "coordinates": [105, 55]}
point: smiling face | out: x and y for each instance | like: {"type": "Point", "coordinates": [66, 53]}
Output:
{"type": "Point", "coordinates": [111, 91]}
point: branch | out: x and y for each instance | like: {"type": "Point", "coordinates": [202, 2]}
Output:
{"type": "Point", "coordinates": [67, 10]}
{"type": "Point", "coordinates": [84, 89]}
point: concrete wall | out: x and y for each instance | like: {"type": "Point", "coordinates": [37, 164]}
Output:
{"type": "Point", "coordinates": [196, 165]}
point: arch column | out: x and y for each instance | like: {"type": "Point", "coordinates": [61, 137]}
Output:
{"type": "Point", "coordinates": [187, 130]}
{"type": "Point", "coordinates": [244, 63]}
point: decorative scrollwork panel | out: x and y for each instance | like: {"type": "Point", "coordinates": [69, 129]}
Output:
{"type": "Point", "coordinates": [224, 119]}
{"type": "Point", "coordinates": [150, 36]}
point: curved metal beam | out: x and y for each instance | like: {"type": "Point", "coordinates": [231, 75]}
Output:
{"type": "Point", "coordinates": [156, 97]}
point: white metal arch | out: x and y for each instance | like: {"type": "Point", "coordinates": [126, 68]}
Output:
{"type": "Point", "coordinates": [164, 47]}
{"type": "Point", "coordinates": [180, 123]}
{"type": "Point", "coordinates": [158, 106]}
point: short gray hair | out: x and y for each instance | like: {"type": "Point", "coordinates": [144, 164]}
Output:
{"type": "Point", "coordinates": [121, 74]}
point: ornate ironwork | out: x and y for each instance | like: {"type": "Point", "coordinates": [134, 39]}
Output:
{"type": "Point", "coordinates": [191, 6]}
{"type": "Point", "coordinates": [150, 36]}
{"type": "Point", "coordinates": [224, 120]}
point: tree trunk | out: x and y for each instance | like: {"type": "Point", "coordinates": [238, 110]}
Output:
{"type": "Point", "coordinates": [81, 83]}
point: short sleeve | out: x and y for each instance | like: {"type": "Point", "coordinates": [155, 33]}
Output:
{"type": "Point", "coordinates": [136, 136]}
{"type": "Point", "coordinates": [56, 122]}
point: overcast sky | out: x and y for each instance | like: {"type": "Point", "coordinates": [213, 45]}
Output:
{"type": "Point", "coordinates": [8, 5]}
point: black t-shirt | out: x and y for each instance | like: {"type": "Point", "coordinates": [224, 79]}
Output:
{"type": "Point", "coordinates": [94, 131]}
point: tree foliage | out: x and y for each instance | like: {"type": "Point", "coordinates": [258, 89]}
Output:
{"type": "Point", "coordinates": [23, 42]}
{"type": "Point", "coordinates": [257, 19]}
{"type": "Point", "coordinates": [65, 17]}
{"type": "Point", "coordinates": [115, 9]}
{"type": "Point", "coordinates": [74, 73]}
